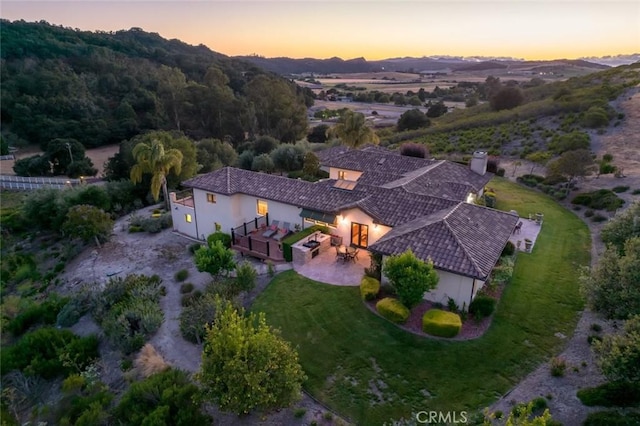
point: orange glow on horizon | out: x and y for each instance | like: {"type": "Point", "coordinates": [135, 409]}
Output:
{"type": "Point", "coordinates": [375, 30]}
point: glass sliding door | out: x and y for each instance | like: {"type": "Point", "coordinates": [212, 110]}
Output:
{"type": "Point", "coordinates": [359, 235]}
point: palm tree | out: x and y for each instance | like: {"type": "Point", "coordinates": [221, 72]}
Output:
{"type": "Point", "coordinates": [353, 131]}
{"type": "Point", "coordinates": [155, 160]}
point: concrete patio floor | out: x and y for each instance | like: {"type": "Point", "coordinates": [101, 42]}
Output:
{"type": "Point", "coordinates": [326, 269]}
{"type": "Point", "coordinates": [530, 230]}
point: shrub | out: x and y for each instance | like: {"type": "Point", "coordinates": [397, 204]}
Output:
{"type": "Point", "coordinates": [194, 247]}
{"type": "Point", "coordinates": [45, 352]}
{"type": "Point", "coordinates": [41, 313]}
{"type": "Point", "coordinates": [621, 188]}
{"type": "Point", "coordinates": [181, 275]}
{"type": "Point", "coordinates": [412, 149]}
{"type": "Point", "coordinates": [168, 398]}
{"type": "Point", "coordinates": [635, 192]}
{"type": "Point", "coordinates": [611, 394]}
{"type": "Point", "coordinates": [482, 306]}
{"type": "Point", "coordinates": [441, 323]}
{"type": "Point", "coordinates": [602, 199]}
{"type": "Point", "coordinates": [589, 213]}
{"type": "Point", "coordinates": [612, 418]}
{"type": "Point", "coordinates": [219, 236]}
{"type": "Point", "coordinates": [500, 172]}
{"type": "Point", "coordinates": [299, 413]}
{"type": "Point", "coordinates": [129, 311]}
{"type": "Point", "coordinates": [393, 310]}
{"type": "Point", "coordinates": [598, 218]}
{"type": "Point", "coordinates": [246, 276]}
{"type": "Point", "coordinates": [596, 327]}
{"type": "Point", "coordinates": [593, 338]}
{"type": "Point", "coordinates": [557, 366]}
{"type": "Point", "coordinates": [410, 277]}
{"type": "Point", "coordinates": [186, 288]}
{"type": "Point", "coordinates": [509, 249]}
{"type": "Point", "coordinates": [80, 304]}
{"type": "Point", "coordinates": [369, 288]}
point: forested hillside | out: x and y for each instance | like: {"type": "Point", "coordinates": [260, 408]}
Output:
{"type": "Point", "coordinates": [101, 88]}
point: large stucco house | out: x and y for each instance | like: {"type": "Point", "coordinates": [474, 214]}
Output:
{"type": "Point", "coordinates": [374, 199]}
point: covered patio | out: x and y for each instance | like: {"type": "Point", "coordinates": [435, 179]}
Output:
{"type": "Point", "coordinates": [326, 268]}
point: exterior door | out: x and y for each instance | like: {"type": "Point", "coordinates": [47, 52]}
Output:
{"type": "Point", "coordinates": [359, 235]}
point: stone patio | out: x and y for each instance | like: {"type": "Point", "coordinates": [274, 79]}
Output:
{"type": "Point", "coordinates": [530, 230]}
{"type": "Point", "coordinates": [326, 269]}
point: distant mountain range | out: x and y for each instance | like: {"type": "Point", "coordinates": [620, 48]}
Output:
{"type": "Point", "coordinates": [429, 64]}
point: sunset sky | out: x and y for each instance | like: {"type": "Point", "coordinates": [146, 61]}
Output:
{"type": "Point", "coordinates": [374, 29]}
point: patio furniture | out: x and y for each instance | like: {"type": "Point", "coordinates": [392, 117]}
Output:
{"type": "Point", "coordinates": [340, 255]}
{"type": "Point", "coordinates": [283, 232]}
{"type": "Point", "coordinates": [347, 253]}
{"type": "Point", "coordinates": [518, 228]}
{"type": "Point", "coordinates": [273, 229]}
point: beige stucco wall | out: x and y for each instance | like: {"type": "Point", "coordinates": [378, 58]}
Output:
{"type": "Point", "coordinates": [450, 285]}
{"type": "Point", "coordinates": [232, 211]}
{"type": "Point", "coordinates": [178, 216]}
{"type": "Point", "coordinates": [356, 215]}
{"type": "Point", "coordinates": [348, 174]}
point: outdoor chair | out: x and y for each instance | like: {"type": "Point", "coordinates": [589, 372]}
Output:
{"type": "Point", "coordinates": [354, 256]}
{"type": "Point", "coordinates": [273, 229]}
{"type": "Point", "coordinates": [340, 255]}
{"type": "Point", "coordinates": [283, 232]}
{"type": "Point", "coordinates": [518, 228]}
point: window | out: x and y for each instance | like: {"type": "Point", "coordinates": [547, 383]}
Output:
{"type": "Point", "coordinates": [187, 218]}
{"type": "Point", "coordinates": [262, 207]}
{"type": "Point", "coordinates": [341, 174]}
{"type": "Point", "coordinates": [211, 198]}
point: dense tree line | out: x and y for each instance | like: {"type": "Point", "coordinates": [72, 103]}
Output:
{"type": "Point", "coordinates": [101, 88]}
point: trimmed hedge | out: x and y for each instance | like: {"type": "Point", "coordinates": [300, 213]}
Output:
{"type": "Point", "coordinates": [393, 310]}
{"type": "Point", "coordinates": [369, 288]}
{"type": "Point", "coordinates": [441, 323]}
{"type": "Point", "coordinates": [292, 239]}
{"type": "Point", "coordinates": [482, 306]}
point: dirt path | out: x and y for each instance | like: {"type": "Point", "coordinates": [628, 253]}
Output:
{"type": "Point", "coordinates": [624, 143]}
{"type": "Point", "coordinates": [164, 254]}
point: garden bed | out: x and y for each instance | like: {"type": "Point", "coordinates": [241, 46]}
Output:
{"type": "Point", "coordinates": [471, 329]}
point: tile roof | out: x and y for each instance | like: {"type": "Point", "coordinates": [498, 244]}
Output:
{"type": "Point", "coordinates": [466, 239]}
{"type": "Point", "coordinates": [388, 169]}
{"type": "Point", "coordinates": [319, 195]}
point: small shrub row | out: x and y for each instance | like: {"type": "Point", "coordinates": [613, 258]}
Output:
{"type": "Point", "coordinates": [602, 199]}
{"type": "Point", "coordinates": [152, 225]}
{"type": "Point", "coordinates": [393, 310]}
{"type": "Point", "coordinates": [369, 288]}
{"type": "Point", "coordinates": [441, 323]}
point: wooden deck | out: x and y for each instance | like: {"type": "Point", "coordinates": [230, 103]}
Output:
{"type": "Point", "coordinates": [255, 245]}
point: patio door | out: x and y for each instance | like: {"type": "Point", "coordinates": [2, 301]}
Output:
{"type": "Point", "coordinates": [359, 235]}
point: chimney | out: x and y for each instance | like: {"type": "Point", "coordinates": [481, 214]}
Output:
{"type": "Point", "coordinates": [479, 162]}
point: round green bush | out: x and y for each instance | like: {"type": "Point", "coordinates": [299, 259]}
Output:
{"type": "Point", "coordinates": [482, 306]}
{"type": "Point", "coordinates": [219, 236]}
{"type": "Point", "coordinates": [509, 249]}
{"type": "Point", "coordinates": [369, 288]}
{"type": "Point", "coordinates": [181, 275]}
{"type": "Point", "coordinates": [441, 323]}
{"type": "Point", "coordinates": [393, 310]}
{"type": "Point", "coordinates": [186, 288]}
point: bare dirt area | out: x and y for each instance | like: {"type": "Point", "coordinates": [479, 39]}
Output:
{"type": "Point", "coordinates": [624, 143]}
{"type": "Point", "coordinates": [164, 254]}
{"type": "Point", "coordinates": [98, 156]}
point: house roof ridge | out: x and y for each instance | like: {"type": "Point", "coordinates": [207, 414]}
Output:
{"type": "Point", "coordinates": [465, 249]}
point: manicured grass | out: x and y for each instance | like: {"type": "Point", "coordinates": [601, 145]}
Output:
{"type": "Point", "coordinates": [371, 371]}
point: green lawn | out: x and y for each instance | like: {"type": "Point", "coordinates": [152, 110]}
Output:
{"type": "Point", "coordinates": [371, 371]}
